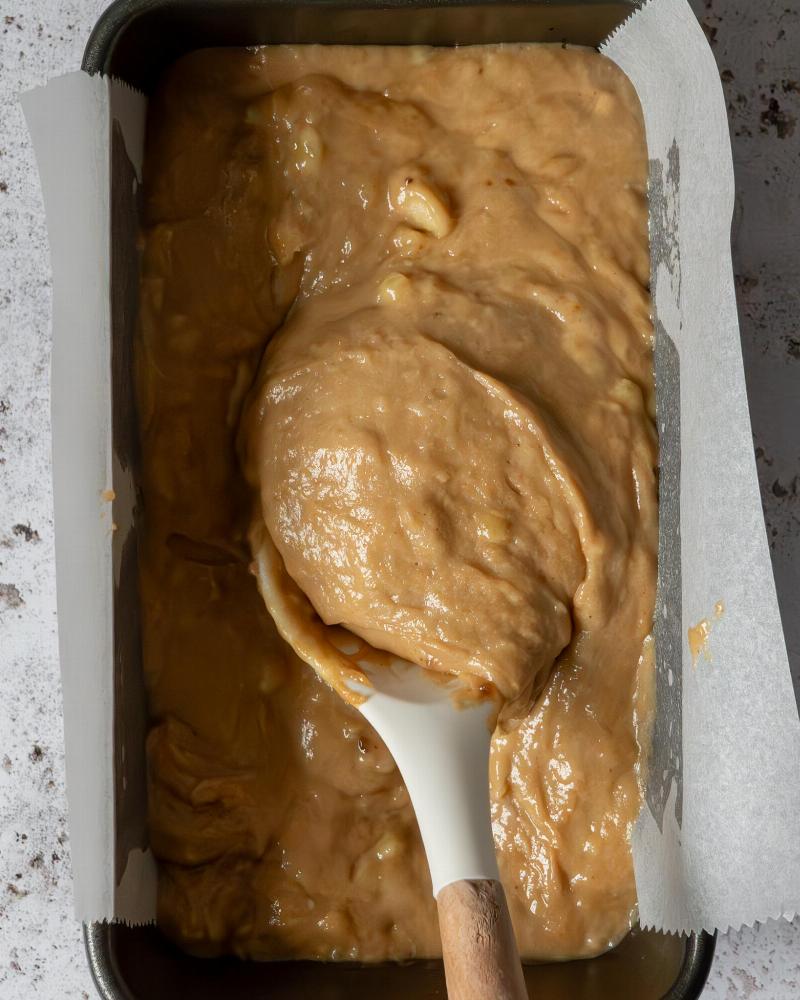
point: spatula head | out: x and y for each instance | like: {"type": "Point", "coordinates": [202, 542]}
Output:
{"type": "Point", "coordinates": [435, 727]}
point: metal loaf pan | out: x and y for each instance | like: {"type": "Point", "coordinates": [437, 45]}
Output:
{"type": "Point", "coordinates": [135, 40]}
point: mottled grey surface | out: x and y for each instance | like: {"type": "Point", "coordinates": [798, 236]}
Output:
{"type": "Point", "coordinates": [757, 45]}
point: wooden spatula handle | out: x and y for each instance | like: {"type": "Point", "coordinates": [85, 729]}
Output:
{"type": "Point", "coordinates": [481, 961]}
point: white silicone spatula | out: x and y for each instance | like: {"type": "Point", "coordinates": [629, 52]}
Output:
{"type": "Point", "coordinates": [442, 750]}
{"type": "Point", "coordinates": [441, 745]}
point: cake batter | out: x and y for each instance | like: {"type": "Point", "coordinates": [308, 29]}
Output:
{"type": "Point", "coordinates": [444, 253]}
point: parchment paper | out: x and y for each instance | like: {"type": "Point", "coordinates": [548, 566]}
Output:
{"type": "Point", "coordinates": [717, 841]}
{"type": "Point", "coordinates": [88, 134]}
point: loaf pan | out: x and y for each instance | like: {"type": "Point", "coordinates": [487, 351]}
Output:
{"type": "Point", "coordinates": [135, 41]}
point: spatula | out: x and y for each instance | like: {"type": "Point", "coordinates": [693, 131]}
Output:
{"type": "Point", "coordinates": [439, 738]}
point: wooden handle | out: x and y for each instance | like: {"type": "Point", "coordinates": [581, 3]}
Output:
{"type": "Point", "coordinates": [481, 961]}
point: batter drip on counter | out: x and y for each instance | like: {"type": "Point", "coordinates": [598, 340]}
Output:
{"type": "Point", "coordinates": [444, 254]}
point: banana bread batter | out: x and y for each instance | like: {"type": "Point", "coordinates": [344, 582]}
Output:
{"type": "Point", "coordinates": [452, 433]}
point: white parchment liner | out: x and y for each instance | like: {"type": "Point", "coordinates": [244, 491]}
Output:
{"type": "Point", "coordinates": [717, 841]}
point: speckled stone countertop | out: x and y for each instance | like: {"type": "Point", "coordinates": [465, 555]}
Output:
{"type": "Point", "coordinates": [41, 953]}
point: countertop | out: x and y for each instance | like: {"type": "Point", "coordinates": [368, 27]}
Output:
{"type": "Point", "coordinates": [41, 951]}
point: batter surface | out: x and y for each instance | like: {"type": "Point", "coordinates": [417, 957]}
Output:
{"type": "Point", "coordinates": [452, 433]}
